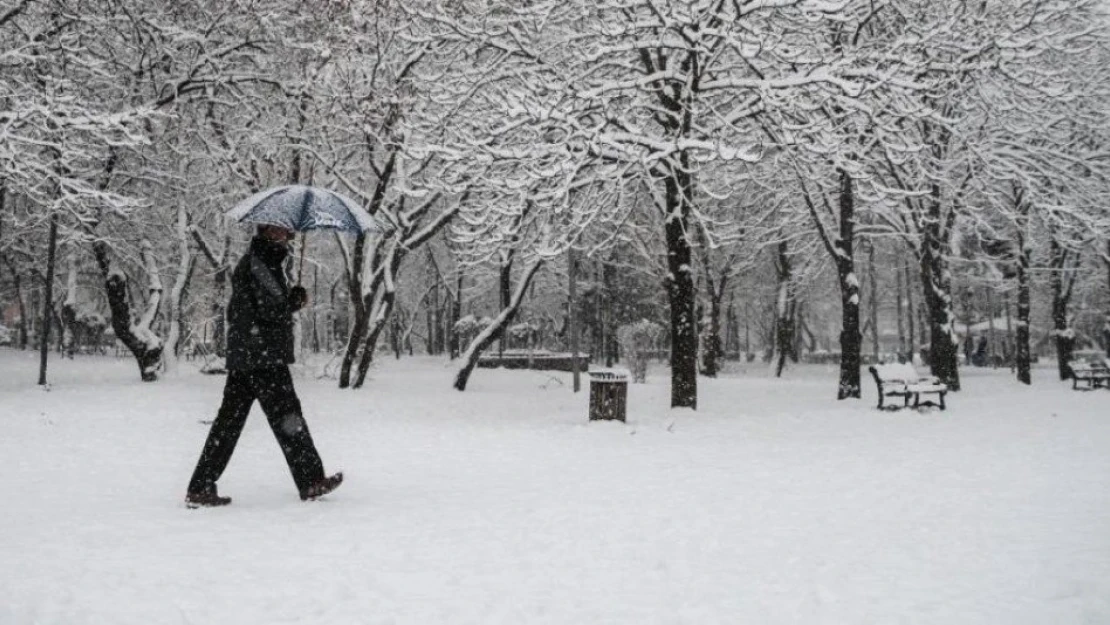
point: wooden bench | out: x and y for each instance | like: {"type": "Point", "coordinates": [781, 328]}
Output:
{"type": "Point", "coordinates": [1093, 374]}
{"type": "Point", "coordinates": [902, 380]}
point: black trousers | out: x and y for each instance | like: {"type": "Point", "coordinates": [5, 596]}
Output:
{"type": "Point", "coordinates": [273, 388]}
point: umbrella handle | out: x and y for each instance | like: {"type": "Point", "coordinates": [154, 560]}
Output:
{"type": "Point", "coordinates": [300, 269]}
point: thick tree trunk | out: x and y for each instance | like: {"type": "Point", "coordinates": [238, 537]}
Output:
{"type": "Point", "coordinates": [680, 293]}
{"type": "Point", "coordinates": [139, 340]}
{"type": "Point", "coordinates": [359, 325]}
{"type": "Point", "coordinates": [495, 329]}
{"type": "Point", "coordinates": [841, 247]}
{"type": "Point", "coordinates": [937, 282]}
{"type": "Point", "coordinates": [383, 312]}
{"type": "Point", "coordinates": [360, 309]}
{"type": "Point", "coordinates": [851, 339]}
{"type": "Point", "coordinates": [381, 317]}
{"type": "Point", "coordinates": [943, 348]}
{"type": "Point", "coordinates": [48, 299]}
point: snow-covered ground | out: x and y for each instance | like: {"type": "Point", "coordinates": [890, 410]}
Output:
{"type": "Point", "coordinates": [774, 503]}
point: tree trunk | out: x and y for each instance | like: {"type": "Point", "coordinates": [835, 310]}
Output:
{"type": "Point", "coordinates": [1061, 296]}
{"type": "Point", "coordinates": [785, 309]}
{"type": "Point", "coordinates": [139, 340]}
{"type": "Point", "coordinates": [680, 292]}
{"type": "Point", "coordinates": [937, 281]}
{"type": "Point", "coordinates": [851, 339]}
{"type": "Point", "coordinates": [609, 334]}
{"type": "Point", "coordinates": [731, 342]}
{"type": "Point", "coordinates": [456, 315]}
{"type": "Point", "coordinates": [359, 325]}
{"type": "Point", "coordinates": [48, 299]}
{"type": "Point", "coordinates": [992, 337]}
{"type": "Point", "coordinates": [943, 348]}
{"type": "Point", "coordinates": [394, 335]}
{"type": "Point", "coordinates": [911, 316]}
{"type": "Point", "coordinates": [185, 265]}
{"type": "Point", "coordinates": [713, 349]}
{"type": "Point", "coordinates": [572, 323]}
{"type": "Point", "coordinates": [1023, 353]}
{"type": "Point", "coordinates": [17, 286]}
{"type": "Point", "coordinates": [372, 332]}
{"type": "Point", "coordinates": [359, 307]}
{"type": "Point", "coordinates": [873, 286]}
{"type": "Point", "coordinates": [383, 313]}
{"type": "Point", "coordinates": [841, 247]}
{"type": "Point", "coordinates": [899, 306]}
{"type": "Point", "coordinates": [505, 293]}
{"type": "Point", "coordinates": [1105, 327]}
{"type": "Point", "coordinates": [315, 314]}
{"type": "Point", "coordinates": [69, 308]}
{"type": "Point", "coordinates": [495, 329]}
{"type": "Point", "coordinates": [216, 307]}
{"type": "Point", "coordinates": [432, 320]}
{"type": "Point", "coordinates": [851, 342]}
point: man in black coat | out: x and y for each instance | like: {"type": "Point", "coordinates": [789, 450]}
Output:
{"type": "Point", "coordinates": [259, 351]}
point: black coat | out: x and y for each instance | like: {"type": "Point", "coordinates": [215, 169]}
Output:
{"type": "Point", "coordinates": [260, 313]}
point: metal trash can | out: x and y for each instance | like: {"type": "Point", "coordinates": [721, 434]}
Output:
{"type": "Point", "coordinates": [608, 394]}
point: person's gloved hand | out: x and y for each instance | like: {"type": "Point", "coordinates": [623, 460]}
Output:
{"type": "Point", "coordinates": [298, 297]}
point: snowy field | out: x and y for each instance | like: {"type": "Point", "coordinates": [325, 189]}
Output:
{"type": "Point", "coordinates": [772, 504]}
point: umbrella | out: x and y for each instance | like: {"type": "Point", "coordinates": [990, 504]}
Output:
{"type": "Point", "coordinates": [301, 208]}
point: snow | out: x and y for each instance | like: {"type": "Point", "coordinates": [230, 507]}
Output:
{"type": "Point", "coordinates": [773, 503]}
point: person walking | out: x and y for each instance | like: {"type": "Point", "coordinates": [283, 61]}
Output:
{"type": "Point", "coordinates": [259, 351]}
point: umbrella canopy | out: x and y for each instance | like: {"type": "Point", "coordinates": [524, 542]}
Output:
{"type": "Point", "coordinates": [301, 208]}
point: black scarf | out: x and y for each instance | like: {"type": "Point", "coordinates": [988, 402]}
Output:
{"type": "Point", "coordinates": [272, 253]}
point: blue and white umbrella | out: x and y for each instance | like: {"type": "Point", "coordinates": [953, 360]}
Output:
{"type": "Point", "coordinates": [301, 208]}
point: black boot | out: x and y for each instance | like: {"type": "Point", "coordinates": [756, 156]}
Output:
{"type": "Point", "coordinates": [322, 487]}
{"type": "Point", "coordinates": [206, 498]}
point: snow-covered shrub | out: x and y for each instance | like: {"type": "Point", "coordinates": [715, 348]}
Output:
{"type": "Point", "coordinates": [637, 341]}
{"type": "Point", "coordinates": [523, 334]}
{"type": "Point", "coordinates": [469, 326]}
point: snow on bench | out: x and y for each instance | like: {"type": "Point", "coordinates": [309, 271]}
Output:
{"type": "Point", "coordinates": [1094, 374]}
{"type": "Point", "coordinates": [902, 380]}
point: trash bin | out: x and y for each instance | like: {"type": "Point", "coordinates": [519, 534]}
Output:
{"type": "Point", "coordinates": [608, 394]}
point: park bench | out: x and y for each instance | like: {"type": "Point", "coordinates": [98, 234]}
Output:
{"type": "Point", "coordinates": [902, 380]}
{"type": "Point", "coordinates": [1093, 374]}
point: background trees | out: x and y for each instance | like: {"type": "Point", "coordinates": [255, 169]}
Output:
{"type": "Point", "coordinates": [697, 156]}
